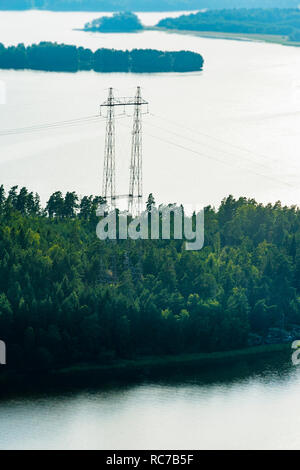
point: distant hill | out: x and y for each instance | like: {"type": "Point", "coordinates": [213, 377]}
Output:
{"type": "Point", "coordinates": [141, 5]}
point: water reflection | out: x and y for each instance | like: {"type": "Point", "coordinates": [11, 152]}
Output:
{"type": "Point", "coordinates": [245, 405]}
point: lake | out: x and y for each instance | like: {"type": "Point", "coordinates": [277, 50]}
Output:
{"type": "Point", "coordinates": [240, 407]}
{"type": "Point", "coordinates": [231, 129]}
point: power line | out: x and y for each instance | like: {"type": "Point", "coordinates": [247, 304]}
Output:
{"type": "Point", "coordinates": [216, 159]}
{"type": "Point", "coordinates": [205, 144]}
{"type": "Point", "coordinates": [55, 125]}
{"type": "Point", "coordinates": [217, 139]}
{"type": "Point", "coordinates": [46, 126]}
{"type": "Point", "coordinates": [96, 118]}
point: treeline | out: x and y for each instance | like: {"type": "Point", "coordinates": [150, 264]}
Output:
{"type": "Point", "coordinates": [64, 58]}
{"type": "Point", "coordinates": [66, 297]}
{"type": "Point", "coordinates": [284, 22]}
{"type": "Point", "coordinates": [118, 22]}
{"type": "Point", "coordinates": [141, 5]}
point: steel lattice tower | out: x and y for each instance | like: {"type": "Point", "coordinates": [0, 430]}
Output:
{"type": "Point", "coordinates": [109, 170]}
{"type": "Point", "coordinates": [135, 196]}
{"type": "Point", "coordinates": [135, 200]}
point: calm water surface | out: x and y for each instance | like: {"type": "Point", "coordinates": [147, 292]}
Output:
{"type": "Point", "coordinates": [241, 408]}
{"type": "Point", "coordinates": [231, 129]}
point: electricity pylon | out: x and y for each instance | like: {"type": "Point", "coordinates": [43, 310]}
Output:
{"type": "Point", "coordinates": [109, 170]}
{"type": "Point", "coordinates": [135, 196]}
{"type": "Point", "coordinates": [135, 200]}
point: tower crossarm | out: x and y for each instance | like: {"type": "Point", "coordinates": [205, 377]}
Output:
{"type": "Point", "coordinates": [123, 102]}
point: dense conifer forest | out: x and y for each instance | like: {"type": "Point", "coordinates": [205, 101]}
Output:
{"type": "Point", "coordinates": [285, 22]}
{"type": "Point", "coordinates": [141, 5]}
{"type": "Point", "coordinates": [124, 22]}
{"type": "Point", "coordinates": [64, 58]}
{"type": "Point", "coordinates": [67, 297]}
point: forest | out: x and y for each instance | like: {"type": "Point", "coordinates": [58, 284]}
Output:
{"type": "Point", "coordinates": [124, 22]}
{"type": "Point", "coordinates": [284, 22]}
{"type": "Point", "coordinates": [67, 297]}
{"type": "Point", "coordinates": [64, 58]}
{"type": "Point", "coordinates": [141, 5]}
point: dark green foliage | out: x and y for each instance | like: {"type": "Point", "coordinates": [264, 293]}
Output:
{"type": "Point", "coordinates": [67, 297]}
{"type": "Point", "coordinates": [284, 22]}
{"type": "Point", "coordinates": [149, 204]}
{"type": "Point", "coordinates": [295, 35]}
{"type": "Point", "coordinates": [56, 57]}
{"type": "Point", "coordinates": [109, 60]}
{"type": "Point", "coordinates": [63, 58]}
{"type": "Point", "coordinates": [141, 5]}
{"type": "Point", "coordinates": [119, 22]}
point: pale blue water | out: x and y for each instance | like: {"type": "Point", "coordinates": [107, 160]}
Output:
{"type": "Point", "coordinates": [231, 129]}
{"type": "Point", "coordinates": [241, 116]}
{"type": "Point", "coordinates": [238, 408]}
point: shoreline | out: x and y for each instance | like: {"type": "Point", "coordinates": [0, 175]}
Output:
{"type": "Point", "coordinates": [82, 376]}
{"type": "Point", "coordinates": [259, 38]}
{"type": "Point", "coordinates": [264, 38]}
